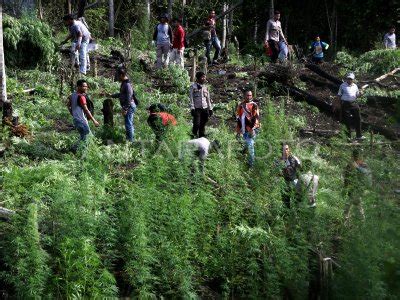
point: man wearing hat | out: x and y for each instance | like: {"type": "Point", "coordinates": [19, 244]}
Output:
{"type": "Point", "coordinates": [162, 37]}
{"type": "Point", "coordinates": [348, 93]}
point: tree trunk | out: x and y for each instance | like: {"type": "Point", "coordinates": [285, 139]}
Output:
{"type": "Point", "coordinates": [3, 97]}
{"type": "Point", "coordinates": [255, 33]}
{"type": "Point", "coordinates": [40, 10]}
{"type": "Point", "coordinates": [271, 9]}
{"type": "Point", "coordinates": [111, 17]}
{"type": "Point", "coordinates": [81, 8]}
{"type": "Point", "coordinates": [169, 11]}
{"type": "Point", "coordinates": [224, 26]}
{"type": "Point", "coordinates": [68, 7]}
{"type": "Point", "coordinates": [324, 74]}
{"type": "Point", "coordinates": [108, 112]}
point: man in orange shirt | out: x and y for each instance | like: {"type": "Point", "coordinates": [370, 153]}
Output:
{"type": "Point", "coordinates": [248, 123]}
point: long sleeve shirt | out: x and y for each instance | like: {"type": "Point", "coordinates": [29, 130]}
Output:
{"type": "Point", "coordinates": [199, 97]}
{"type": "Point", "coordinates": [274, 31]}
{"type": "Point", "coordinates": [126, 94]}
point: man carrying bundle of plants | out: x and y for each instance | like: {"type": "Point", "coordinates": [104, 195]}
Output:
{"type": "Point", "coordinates": [78, 107]}
{"type": "Point", "coordinates": [274, 35]}
{"type": "Point", "coordinates": [248, 123]}
{"type": "Point", "coordinates": [80, 36]}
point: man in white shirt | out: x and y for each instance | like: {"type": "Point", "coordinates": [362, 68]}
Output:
{"type": "Point", "coordinates": [389, 39]}
{"type": "Point", "coordinates": [274, 35]}
{"type": "Point", "coordinates": [348, 93]}
{"type": "Point", "coordinates": [201, 147]}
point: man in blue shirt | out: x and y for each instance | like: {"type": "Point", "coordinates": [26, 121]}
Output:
{"type": "Point", "coordinates": [317, 48]}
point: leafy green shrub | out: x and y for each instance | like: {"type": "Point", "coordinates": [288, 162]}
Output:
{"type": "Point", "coordinates": [372, 63]}
{"type": "Point", "coordinates": [28, 43]}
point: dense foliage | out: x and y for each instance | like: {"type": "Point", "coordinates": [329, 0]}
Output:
{"type": "Point", "coordinates": [28, 43]}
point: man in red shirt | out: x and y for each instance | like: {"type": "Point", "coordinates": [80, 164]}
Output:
{"type": "Point", "coordinates": [178, 45]}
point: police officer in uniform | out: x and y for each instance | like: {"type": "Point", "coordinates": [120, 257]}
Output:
{"type": "Point", "coordinates": [200, 105]}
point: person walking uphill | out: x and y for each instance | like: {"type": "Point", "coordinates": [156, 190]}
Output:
{"type": "Point", "coordinates": [162, 37]}
{"type": "Point", "coordinates": [274, 35]}
{"type": "Point", "coordinates": [317, 49]}
{"type": "Point", "coordinates": [178, 46]}
{"type": "Point", "coordinates": [348, 93]}
{"type": "Point", "coordinates": [128, 101]}
{"type": "Point", "coordinates": [77, 106]}
{"type": "Point", "coordinates": [200, 105]}
{"type": "Point", "coordinates": [248, 123]}
{"type": "Point", "coordinates": [80, 36]}
{"type": "Point", "coordinates": [211, 39]}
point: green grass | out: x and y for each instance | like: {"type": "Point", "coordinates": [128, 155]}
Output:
{"type": "Point", "coordinates": [123, 220]}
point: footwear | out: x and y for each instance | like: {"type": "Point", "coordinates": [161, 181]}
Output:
{"type": "Point", "coordinates": [313, 205]}
{"type": "Point", "coordinates": [360, 138]}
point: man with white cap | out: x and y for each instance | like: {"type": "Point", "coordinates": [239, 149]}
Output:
{"type": "Point", "coordinates": [348, 93]}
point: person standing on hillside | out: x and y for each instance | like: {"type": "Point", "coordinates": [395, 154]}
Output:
{"type": "Point", "coordinates": [389, 40]}
{"type": "Point", "coordinates": [248, 123]}
{"type": "Point", "coordinates": [178, 45]}
{"type": "Point", "coordinates": [78, 108]}
{"type": "Point", "coordinates": [80, 36]}
{"type": "Point", "coordinates": [274, 35]}
{"type": "Point", "coordinates": [357, 179]}
{"type": "Point", "coordinates": [211, 39]}
{"type": "Point", "coordinates": [317, 49]}
{"type": "Point", "coordinates": [200, 105]}
{"type": "Point", "coordinates": [347, 95]}
{"type": "Point", "coordinates": [128, 101]}
{"type": "Point", "coordinates": [162, 37]}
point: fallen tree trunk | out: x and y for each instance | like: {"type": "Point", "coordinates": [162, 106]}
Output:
{"type": "Point", "coordinates": [6, 214]}
{"type": "Point", "coordinates": [380, 78]}
{"type": "Point", "coordinates": [300, 95]}
{"type": "Point", "coordinates": [378, 101]}
{"type": "Point", "coordinates": [323, 74]}
{"type": "Point", "coordinates": [333, 87]}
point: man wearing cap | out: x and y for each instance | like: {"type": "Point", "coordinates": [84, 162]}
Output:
{"type": "Point", "coordinates": [348, 93]}
{"type": "Point", "coordinates": [274, 35]}
{"type": "Point", "coordinates": [162, 37]}
{"type": "Point", "coordinates": [317, 49]}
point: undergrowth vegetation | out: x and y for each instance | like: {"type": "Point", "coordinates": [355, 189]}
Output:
{"type": "Point", "coordinates": [136, 220]}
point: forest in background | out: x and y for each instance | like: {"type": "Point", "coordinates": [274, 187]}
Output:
{"type": "Point", "coordinates": [120, 221]}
